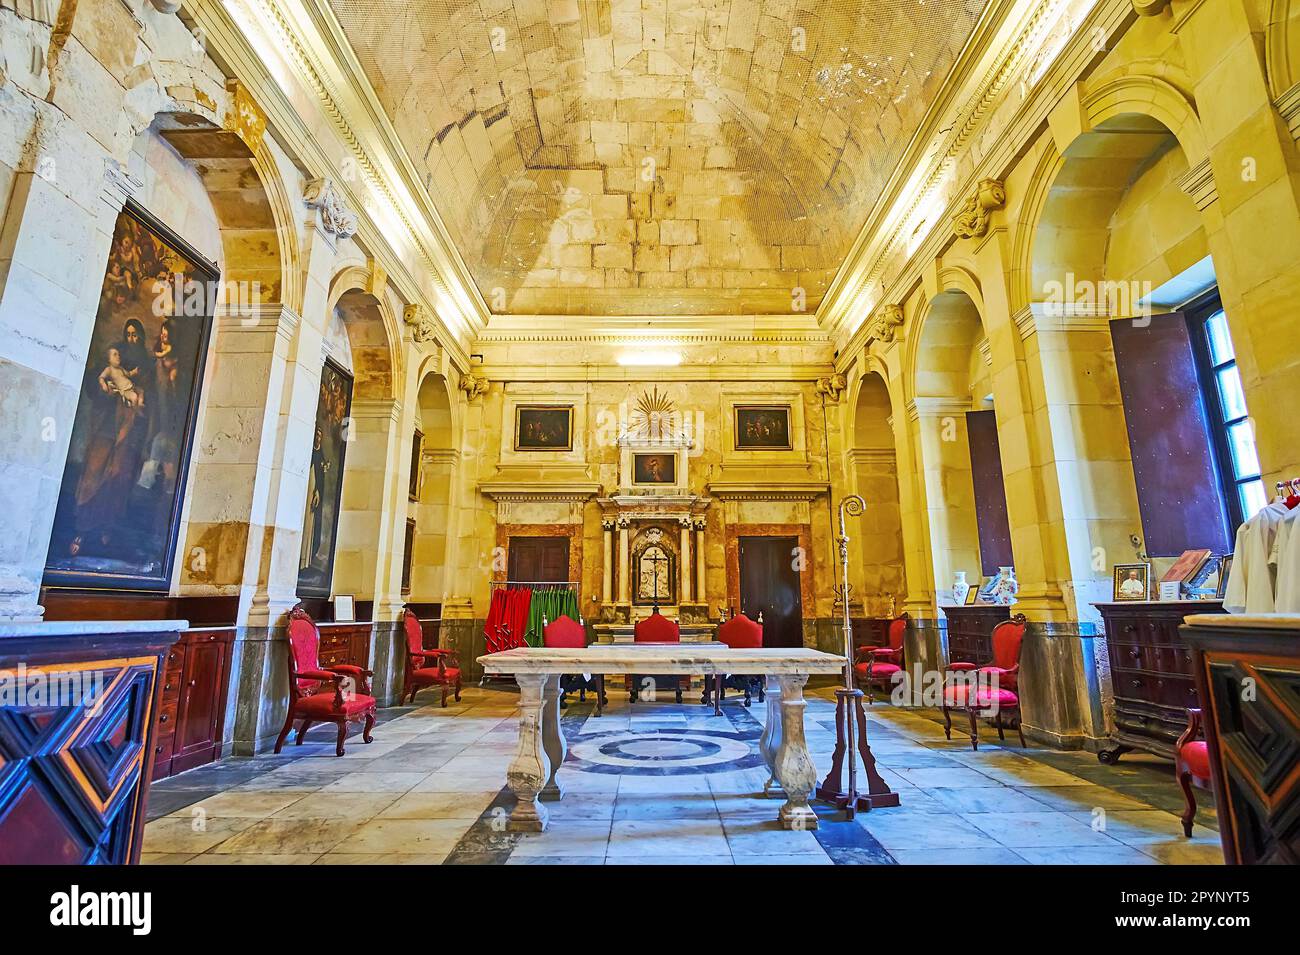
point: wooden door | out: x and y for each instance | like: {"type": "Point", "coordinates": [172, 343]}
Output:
{"type": "Point", "coordinates": [538, 560]}
{"type": "Point", "coordinates": [769, 584]}
{"type": "Point", "coordinates": [202, 708]}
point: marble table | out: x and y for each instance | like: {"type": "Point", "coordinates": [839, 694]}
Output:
{"type": "Point", "coordinates": [532, 775]}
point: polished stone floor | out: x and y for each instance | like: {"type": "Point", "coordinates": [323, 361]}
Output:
{"type": "Point", "coordinates": [665, 784]}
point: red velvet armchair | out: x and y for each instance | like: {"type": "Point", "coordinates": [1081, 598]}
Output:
{"type": "Point", "coordinates": [974, 692]}
{"type": "Point", "coordinates": [566, 633]}
{"type": "Point", "coordinates": [336, 694]}
{"type": "Point", "coordinates": [427, 667]}
{"type": "Point", "coordinates": [738, 633]}
{"type": "Point", "coordinates": [655, 628]}
{"type": "Point", "coordinates": [1191, 766]}
{"type": "Point", "coordinates": [876, 666]}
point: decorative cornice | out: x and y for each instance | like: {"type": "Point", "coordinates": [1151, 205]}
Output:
{"type": "Point", "coordinates": [786, 491]}
{"type": "Point", "coordinates": [972, 220]}
{"type": "Point", "coordinates": [1198, 184]}
{"type": "Point", "coordinates": [1061, 317]}
{"type": "Point", "coordinates": [517, 492]}
{"type": "Point", "coordinates": [336, 217]}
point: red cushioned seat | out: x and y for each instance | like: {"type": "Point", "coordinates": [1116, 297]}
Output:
{"type": "Point", "coordinates": [1196, 757]}
{"type": "Point", "coordinates": [984, 698]}
{"type": "Point", "coordinates": [320, 705]}
{"type": "Point", "coordinates": [433, 675]}
{"type": "Point", "coordinates": [879, 671]}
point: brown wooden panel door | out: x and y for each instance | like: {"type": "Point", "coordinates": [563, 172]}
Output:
{"type": "Point", "coordinates": [203, 701]}
{"type": "Point", "coordinates": [538, 559]}
{"type": "Point", "coordinates": [769, 584]}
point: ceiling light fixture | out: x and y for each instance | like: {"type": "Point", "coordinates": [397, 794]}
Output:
{"type": "Point", "coordinates": [652, 358]}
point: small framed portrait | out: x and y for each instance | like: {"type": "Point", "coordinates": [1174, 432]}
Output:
{"type": "Point", "coordinates": [544, 428]}
{"type": "Point", "coordinates": [1225, 570]}
{"type": "Point", "coordinates": [1132, 582]}
{"type": "Point", "coordinates": [763, 428]}
{"type": "Point", "coordinates": [971, 596]}
{"type": "Point", "coordinates": [345, 608]}
{"type": "Point", "coordinates": [654, 469]}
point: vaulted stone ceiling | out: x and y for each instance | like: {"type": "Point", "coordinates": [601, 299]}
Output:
{"type": "Point", "coordinates": [655, 156]}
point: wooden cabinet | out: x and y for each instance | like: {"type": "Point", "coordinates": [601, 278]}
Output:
{"type": "Point", "coordinates": [1254, 738]}
{"type": "Point", "coordinates": [192, 701]}
{"type": "Point", "coordinates": [344, 644]}
{"type": "Point", "coordinates": [1150, 672]}
{"type": "Point", "coordinates": [970, 631]}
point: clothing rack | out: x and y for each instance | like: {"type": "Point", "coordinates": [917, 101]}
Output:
{"type": "Point", "coordinates": [513, 616]}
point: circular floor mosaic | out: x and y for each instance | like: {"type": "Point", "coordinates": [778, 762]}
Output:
{"type": "Point", "coordinates": [663, 753]}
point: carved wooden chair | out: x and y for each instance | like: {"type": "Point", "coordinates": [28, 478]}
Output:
{"type": "Point", "coordinates": [565, 632]}
{"type": "Point", "coordinates": [334, 694]}
{"type": "Point", "coordinates": [876, 666]}
{"type": "Point", "coordinates": [427, 667]}
{"type": "Point", "coordinates": [738, 633]}
{"type": "Point", "coordinates": [656, 628]}
{"type": "Point", "coordinates": [1191, 766]}
{"type": "Point", "coordinates": [972, 690]}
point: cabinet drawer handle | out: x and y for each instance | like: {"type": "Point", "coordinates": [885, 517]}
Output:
{"type": "Point", "coordinates": [167, 687]}
{"type": "Point", "coordinates": [1135, 653]}
{"type": "Point", "coordinates": [1136, 684]}
{"type": "Point", "coordinates": [1129, 628]}
{"type": "Point", "coordinates": [192, 683]}
{"type": "Point", "coordinates": [163, 718]}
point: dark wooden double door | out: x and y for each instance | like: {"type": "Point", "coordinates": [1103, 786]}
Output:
{"type": "Point", "coordinates": [769, 584]}
{"type": "Point", "coordinates": [537, 560]}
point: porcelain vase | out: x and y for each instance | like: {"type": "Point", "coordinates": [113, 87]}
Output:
{"type": "Point", "coordinates": [959, 587]}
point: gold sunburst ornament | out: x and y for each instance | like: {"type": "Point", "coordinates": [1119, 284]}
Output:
{"type": "Point", "coordinates": [654, 415]}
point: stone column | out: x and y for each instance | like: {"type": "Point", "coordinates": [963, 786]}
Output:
{"type": "Point", "coordinates": [624, 562]}
{"type": "Point", "coordinates": [607, 579]}
{"type": "Point", "coordinates": [684, 561]}
{"type": "Point", "coordinates": [701, 591]}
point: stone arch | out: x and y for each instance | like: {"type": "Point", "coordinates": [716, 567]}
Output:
{"type": "Point", "coordinates": [436, 415]}
{"type": "Point", "coordinates": [873, 467]}
{"type": "Point", "coordinates": [374, 333]}
{"type": "Point", "coordinates": [948, 328]}
{"type": "Point", "coordinates": [1282, 46]}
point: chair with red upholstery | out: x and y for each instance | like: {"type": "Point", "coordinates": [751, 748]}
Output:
{"type": "Point", "coordinates": [1191, 766]}
{"type": "Point", "coordinates": [427, 667]}
{"type": "Point", "coordinates": [738, 633]}
{"type": "Point", "coordinates": [656, 628]}
{"type": "Point", "coordinates": [876, 666]}
{"type": "Point", "coordinates": [323, 694]}
{"type": "Point", "coordinates": [566, 633]}
{"type": "Point", "coordinates": [990, 688]}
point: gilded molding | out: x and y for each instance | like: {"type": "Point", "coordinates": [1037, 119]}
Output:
{"type": "Point", "coordinates": [972, 220]}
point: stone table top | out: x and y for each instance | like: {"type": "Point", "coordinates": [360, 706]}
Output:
{"type": "Point", "coordinates": [662, 658]}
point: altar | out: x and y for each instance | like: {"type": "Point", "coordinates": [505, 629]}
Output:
{"type": "Point", "coordinates": [533, 774]}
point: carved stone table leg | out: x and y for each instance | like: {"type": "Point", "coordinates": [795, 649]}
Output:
{"type": "Point", "coordinates": [552, 738]}
{"type": "Point", "coordinates": [770, 741]}
{"type": "Point", "coordinates": [794, 766]}
{"type": "Point", "coordinates": [530, 770]}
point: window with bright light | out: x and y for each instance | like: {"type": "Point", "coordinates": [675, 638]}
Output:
{"type": "Point", "coordinates": [1226, 405]}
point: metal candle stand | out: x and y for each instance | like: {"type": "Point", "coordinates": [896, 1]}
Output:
{"type": "Point", "coordinates": [850, 718]}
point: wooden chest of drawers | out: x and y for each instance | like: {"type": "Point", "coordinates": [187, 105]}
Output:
{"type": "Point", "coordinates": [970, 631]}
{"type": "Point", "coordinates": [1151, 673]}
{"type": "Point", "coordinates": [344, 644]}
{"type": "Point", "coordinates": [192, 702]}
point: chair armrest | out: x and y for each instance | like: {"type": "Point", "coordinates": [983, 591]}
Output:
{"type": "Point", "coordinates": [319, 675]}
{"type": "Point", "coordinates": [962, 666]}
{"type": "Point", "coordinates": [350, 670]}
{"type": "Point", "coordinates": [887, 652]}
{"type": "Point", "coordinates": [1192, 731]}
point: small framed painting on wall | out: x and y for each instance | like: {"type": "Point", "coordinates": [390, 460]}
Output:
{"type": "Point", "coordinates": [763, 428]}
{"type": "Point", "coordinates": [544, 428]}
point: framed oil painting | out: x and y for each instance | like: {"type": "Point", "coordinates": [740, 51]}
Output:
{"type": "Point", "coordinates": [119, 506]}
{"type": "Point", "coordinates": [544, 428]}
{"type": "Point", "coordinates": [325, 483]}
{"type": "Point", "coordinates": [654, 469]}
{"type": "Point", "coordinates": [763, 428]}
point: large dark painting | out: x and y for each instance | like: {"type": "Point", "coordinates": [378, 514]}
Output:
{"type": "Point", "coordinates": [544, 428]}
{"type": "Point", "coordinates": [654, 469]}
{"type": "Point", "coordinates": [325, 483]}
{"type": "Point", "coordinates": [124, 481]}
{"type": "Point", "coordinates": [765, 428]}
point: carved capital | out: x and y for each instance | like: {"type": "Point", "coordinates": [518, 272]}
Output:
{"type": "Point", "coordinates": [423, 327]}
{"type": "Point", "coordinates": [607, 524]}
{"type": "Point", "coordinates": [1150, 8]}
{"type": "Point", "coordinates": [335, 216]}
{"type": "Point", "coordinates": [474, 386]}
{"type": "Point", "coordinates": [832, 387]}
{"type": "Point", "coordinates": [887, 322]}
{"type": "Point", "coordinates": [972, 221]}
